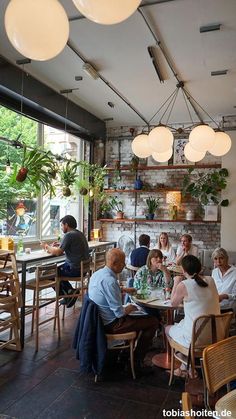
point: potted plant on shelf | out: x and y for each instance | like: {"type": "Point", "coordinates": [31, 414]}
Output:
{"type": "Point", "coordinates": [206, 188]}
{"type": "Point", "coordinates": [152, 204]}
{"type": "Point", "coordinates": [117, 205]}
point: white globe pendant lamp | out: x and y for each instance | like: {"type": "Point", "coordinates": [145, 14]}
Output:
{"type": "Point", "coordinates": [140, 146]}
{"type": "Point", "coordinates": [162, 157]}
{"type": "Point", "coordinates": [107, 12]}
{"type": "Point", "coordinates": [160, 139]}
{"type": "Point", "coordinates": [202, 138]}
{"type": "Point", "coordinates": [222, 144]}
{"type": "Point", "coordinates": [38, 29]}
{"type": "Point", "coordinates": [193, 155]}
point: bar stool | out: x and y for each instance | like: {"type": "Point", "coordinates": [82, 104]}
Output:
{"type": "Point", "coordinates": [45, 278]}
{"type": "Point", "coordinates": [81, 281]}
{"type": "Point", "coordinates": [99, 260]}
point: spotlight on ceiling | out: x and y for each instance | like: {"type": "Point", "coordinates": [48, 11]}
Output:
{"type": "Point", "coordinates": [78, 78]}
{"type": "Point", "coordinates": [108, 119]}
{"type": "Point", "coordinates": [111, 104]}
{"type": "Point", "coordinates": [219, 72]}
{"type": "Point", "coordinates": [90, 71]}
{"type": "Point", "coordinates": [210, 28]}
{"type": "Point", "coordinates": [151, 51]}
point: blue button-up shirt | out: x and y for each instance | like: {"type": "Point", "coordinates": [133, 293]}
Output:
{"type": "Point", "coordinates": [104, 290]}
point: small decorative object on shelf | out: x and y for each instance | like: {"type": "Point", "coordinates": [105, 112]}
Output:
{"type": "Point", "coordinates": [173, 198]}
{"type": "Point", "coordinates": [211, 212]}
{"type": "Point", "coordinates": [152, 204]}
{"type": "Point", "coordinates": [190, 215]}
{"type": "Point", "coordinates": [138, 184]}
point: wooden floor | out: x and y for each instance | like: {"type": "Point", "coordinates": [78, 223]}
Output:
{"type": "Point", "coordinates": [48, 384]}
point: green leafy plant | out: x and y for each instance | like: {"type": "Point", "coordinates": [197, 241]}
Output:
{"type": "Point", "coordinates": [35, 166]}
{"type": "Point", "coordinates": [134, 162]}
{"type": "Point", "coordinates": [90, 182]}
{"type": "Point", "coordinates": [152, 204]}
{"type": "Point", "coordinates": [206, 187]}
{"type": "Point", "coordinates": [116, 204]}
{"type": "Point", "coordinates": [68, 176]}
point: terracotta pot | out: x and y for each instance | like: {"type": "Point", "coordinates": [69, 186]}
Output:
{"type": "Point", "coordinates": [119, 214]}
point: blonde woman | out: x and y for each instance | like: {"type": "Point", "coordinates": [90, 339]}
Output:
{"type": "Point", "coordinates": [166, 249]}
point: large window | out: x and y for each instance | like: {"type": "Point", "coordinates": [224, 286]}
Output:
{"type": "Point", "coordinates": [20, 213]}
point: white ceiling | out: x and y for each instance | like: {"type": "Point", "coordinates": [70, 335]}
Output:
{"type": "Point", "coordinates": [119, 52]}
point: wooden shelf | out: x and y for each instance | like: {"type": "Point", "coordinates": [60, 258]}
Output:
{"type": "Point", "coordinates": [143, 220]}
{"type": "Point", "coordinates": [160, 190]}
{"type": "Point", "coordinates": [170, 167]}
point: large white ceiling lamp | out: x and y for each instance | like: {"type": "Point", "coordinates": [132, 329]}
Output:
{"type": "Point", "coordinates": [160, 139]}
{"type": "Point", "coordinates": [162, 157]}
{"type": "Point", "coordinates": [221, 145]}
{"type": "Point", "coordinates": [107, 12]}
{"type": "Point", "coordinates": [38, 29]}
{"type": "Point", "coordinates": [140, 146]}
{"type": "Point", "coordinates": [202, 138]}
{"type": "Point", "coordinates": [193, 155]}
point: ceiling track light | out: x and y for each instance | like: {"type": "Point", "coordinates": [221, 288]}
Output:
{"type": "Point", "coordinates": [111, 104]}
{"type": "Point", "coordinates": [90, 71]}
{"type": "Point", "coordinates": [210, 28]}
{"type": "Point", "coordinates": [219, 73]}
{"type": "Point", "coordinates": [78, 78]}
{"type": "Point", "coordinates": [151, 51]}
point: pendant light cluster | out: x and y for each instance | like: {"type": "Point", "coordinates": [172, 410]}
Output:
{"type": "Point", "coordinates": [159, 142]}
{"type": "Point", "coordinates": [39, 29]}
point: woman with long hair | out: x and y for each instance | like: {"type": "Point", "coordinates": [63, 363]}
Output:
{"type": "Point", "coordinates": [199, 296]}
{"type": "Point", "coordinates": [163, 244]}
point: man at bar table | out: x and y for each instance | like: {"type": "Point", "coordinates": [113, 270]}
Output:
{"type": "Point", "coordinates": [104, 291]}
{"type": "Point", "coordinates": [75, 247]}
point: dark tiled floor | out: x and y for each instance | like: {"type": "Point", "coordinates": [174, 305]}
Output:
{"type": "Point", "coordinates": [48, 385]}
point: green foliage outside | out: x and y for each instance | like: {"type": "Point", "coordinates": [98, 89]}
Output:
{"type": "Point", "coordinates": [11, 125]}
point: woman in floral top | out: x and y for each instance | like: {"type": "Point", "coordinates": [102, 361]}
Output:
{"type": "Point", "coordinates": [154, 274]}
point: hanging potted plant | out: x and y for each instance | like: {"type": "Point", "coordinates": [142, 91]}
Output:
{"type": "Point", "coordinates": [152, 204]}
{"type": "Point", "coordinates": [68, 177]}
{"type": "Point", "coordinates": [206, 188]}
{"type": "Point", "coordinates": [35, 167]}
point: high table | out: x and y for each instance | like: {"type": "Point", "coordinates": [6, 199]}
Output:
{"type": "Point", "coordinates": [161, 360]}
{"type": "Point", "coordinates": [31, 259]}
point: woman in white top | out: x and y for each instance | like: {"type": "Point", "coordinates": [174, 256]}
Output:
{"type": "Point", "coordinates": [199, 296]}
{"type": "Point", "coordinates": [167, 250]}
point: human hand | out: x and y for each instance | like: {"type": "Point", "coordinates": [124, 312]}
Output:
{"type": "Point", "coordinates": [56, 244]}
{"type": "Point", "coordinates": [130, 308]}
{"type": "Point", "coordinates": [43, 245]}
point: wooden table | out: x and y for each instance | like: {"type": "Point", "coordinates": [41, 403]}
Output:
{"type": "Point", "coordinates": [31, 259]}
{"type": "Point", "coordinates": [161, 360]}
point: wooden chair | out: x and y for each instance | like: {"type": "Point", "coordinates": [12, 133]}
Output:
{"type": "Point", "coordinates": [186, 405]}
{"type": "Point", "coordinates": [129, 342]}
{"type": "Point", "coordinates": [10, 299]}
{"type": "Point", "coordinates": [81, 281]}
{"type": "Point", "coordinates": [206, 330]}
{"type": "Point", "coordinates": [99, 260]}
{"type": "Point", "coordinates": [45, 278]}
{"type": "Point", "coordinates": [219, 369]}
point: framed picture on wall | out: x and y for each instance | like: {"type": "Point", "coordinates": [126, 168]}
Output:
{"type": "Point", "coordinates": [179, 157]}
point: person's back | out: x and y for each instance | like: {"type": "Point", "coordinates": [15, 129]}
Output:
{"type": "Point", "coordinates": [139, 256]}
{"type": "Point", "coordinates": [75, 246]}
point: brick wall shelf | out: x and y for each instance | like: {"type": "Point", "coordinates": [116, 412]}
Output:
{"type": "Point", "coordinates": [139, 220]}
{"type": "Point", "coordinates": [166, 189]}
{"type": "Point", "coordinates": [170, 167]}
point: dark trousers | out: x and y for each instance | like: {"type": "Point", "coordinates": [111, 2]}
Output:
{"type": "Point", "coordinates": [147, 324]}
{"type": "Point", "coordinates": [66, 270]}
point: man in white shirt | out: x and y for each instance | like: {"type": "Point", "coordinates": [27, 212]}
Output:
{"type": "Point", "coordinates": [224, 276]}
{"type": "Point", "coordinates": [185, 248]}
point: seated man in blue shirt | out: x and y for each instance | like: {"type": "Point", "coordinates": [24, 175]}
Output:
{"type": "Point", "coordinates": [139, 256]}
{"type": "Point", "coordinates": [104, 290]}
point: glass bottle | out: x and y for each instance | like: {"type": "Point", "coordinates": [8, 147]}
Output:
{"type": "Point", "coordinates": [20, 245]}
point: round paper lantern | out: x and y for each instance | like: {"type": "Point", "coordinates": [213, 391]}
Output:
{"type": "Point", "coordinates": [38, 29]}
{"type": "Point", "coordinates": [160, 139]}
{"type": "Point", "coordinates": [202, 138]}
{"type": "Point", "coordinates": [140, 146]}
{"type": "Point", "coordinates": [193, 155]}
{"type": "Point", "coordinates": [162, 157]}
{"type": "Point", "coordinates": [222, 144]}
{"type": "Point", "coordinates": [107, 12]}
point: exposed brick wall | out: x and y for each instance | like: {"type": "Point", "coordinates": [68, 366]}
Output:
{"type": "Point", "coordinates": [118, 147]}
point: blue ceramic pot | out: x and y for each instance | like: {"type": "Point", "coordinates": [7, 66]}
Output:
{"type": "Point", "coordinates": [149, 216]}
{"type": "Point", "coordinates": [138, 184]}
